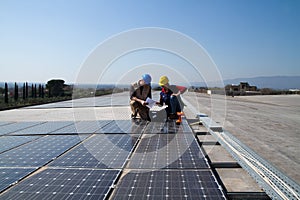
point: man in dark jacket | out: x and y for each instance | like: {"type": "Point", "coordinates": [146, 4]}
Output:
{"type": "Point", "coordinates": [139, 92]}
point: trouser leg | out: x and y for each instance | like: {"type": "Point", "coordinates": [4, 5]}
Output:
{"type": "Point", "coordinates": [144, 112]}
{"type": "Point", "coordinates": [134, 106]}
{"type": "Point", "coordinates": [175, 106]}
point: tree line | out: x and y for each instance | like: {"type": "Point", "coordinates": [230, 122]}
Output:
{"type": "Point", "coordinates": [34, 93]}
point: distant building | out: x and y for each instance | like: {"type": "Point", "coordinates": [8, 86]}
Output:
{"type": "Point", "coordinates": [242, 89]}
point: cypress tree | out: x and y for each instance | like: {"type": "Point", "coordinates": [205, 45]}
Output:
{"type": "Point", "coordinates": [35, 91]}
{"type": "Point", "coordinates": [40, 91]}
{"type": "Point", "coordinates": [43, 92]}
{"type": "Point", "coordinates": [16, 95]}
{"type": "Point", "coordinates": [6, 94]}
{"type": "Point", "coordinates": [32, 91]}
{"type": "Point", "coordinates": [24, 91]}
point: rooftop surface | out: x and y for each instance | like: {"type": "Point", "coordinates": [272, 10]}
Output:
{"type": "Point", "coordinates": [84, 140]}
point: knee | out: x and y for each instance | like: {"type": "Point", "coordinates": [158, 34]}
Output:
{"type": "Point", "coordinates": [173, 98]}
{"type": "Point", "coordinates": [133, 103]}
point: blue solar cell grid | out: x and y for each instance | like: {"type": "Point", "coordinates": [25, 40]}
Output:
{"type": "Point", "coordinates": [39, 152]}
{"type": "Point", "coordinates": [167, 127]}
{"type": "Point", "coordinates": [82, 127]}
{"type": "Point", "coordinates": [170, 151]}
{"type": "Point", "coordinates": [9, 142]}
{"type": "Point", "coordinates": [9, 176]}
{"type": "Point", "coordinates": [44, 128]}
{"type": "Point", "coordinates": [124, 126]}
{"type": "Point", "coordinates": [5, 123]}
{"type": "Point", "coordinates": [99, 151]}
{"type": "Point", "coordinates": [64, 184]}
{"type": "Point", "coordinates": [165, 184]}
{"type": "Point", "coordinates": [9, 128]}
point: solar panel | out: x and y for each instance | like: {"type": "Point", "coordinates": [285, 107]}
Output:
{"type": "Point", "coordinates": [173, 151]}
{"type": "Point", "coordinates": [9, 176]}
{"type": "Point", "coordinates": [99, 151]}
{"type": "Point", "coordinates": [9, 128]}
{"type": "Point", "coordinates": [38, 152]}
{"type": "Point", "coordinates": [9, 142]}
{"type": "Point", "coordinates": [168, 184]}
{"type": "Point", "coordinates": [5, 123]}
{"type": "Point", "coordinates": [124, 126]}
{"type": "Point", "coordinates": [168, 127]}
{"type": "Point", "coordinates": [44, 128]}
{"type": "Point", "coordinates": [82, 127]}
{"type": "Point", "coordinates": [64, 184]}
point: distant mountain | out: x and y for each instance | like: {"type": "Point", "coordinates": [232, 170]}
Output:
{"type": "Point", "coordinates": [274, 82]}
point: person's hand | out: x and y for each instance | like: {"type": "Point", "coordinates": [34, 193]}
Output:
{"type": "Point", "coordinates": [144, 103]}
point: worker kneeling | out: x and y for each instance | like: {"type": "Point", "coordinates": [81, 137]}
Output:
{"type": "Point", "coordinates": [139, 91]}
{"type": "Point", "coordinates": [170, 95]}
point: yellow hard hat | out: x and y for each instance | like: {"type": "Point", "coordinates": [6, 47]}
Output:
{"type": "Point", "coordinates": [163, 80]}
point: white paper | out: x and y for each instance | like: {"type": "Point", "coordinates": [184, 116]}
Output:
{"type": "Point", "coordinates": [150, 102]}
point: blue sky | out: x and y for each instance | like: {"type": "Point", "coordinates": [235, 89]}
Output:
{"type": "Point", "coordinates": [41, 40]}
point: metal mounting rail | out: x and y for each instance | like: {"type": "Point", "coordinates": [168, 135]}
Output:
{"type": "Point", "coordinates": [275, 183]}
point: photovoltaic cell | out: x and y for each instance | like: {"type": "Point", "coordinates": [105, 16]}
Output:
{"type": "Point", "coordinates": [64, 184]}
{"type": "Point", "coordinates": [171, 151]}
{"type": "Point", "coordinates": [9, 176]}
{"type": "Point", "coordinates": [44, 128]}
{"type": "Point", "coordinates": [100, 151]}
{"type": "Point", "coordinates": [38, 152]}
{"type": "Point", "coordinates": [124, 126]}
{"type": "Point", "coordinates": [168, 184]}
{"type": "Point", "coordinates": [82, 127]}
{"type": "Point", "coordinates": [9, 128]}
{"type": "Point", "coordinates": [9, 142]}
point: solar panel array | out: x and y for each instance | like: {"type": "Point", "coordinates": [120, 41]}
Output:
{"type": "Point", "coordinates": [103, 159]}
{"type": "Point", "coordinates": [108, 100]}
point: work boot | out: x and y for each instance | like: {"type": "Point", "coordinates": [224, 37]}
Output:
{"type": "Point", "coordinates": [179, 120]}
{"type": "Point", "coordinates": [133, 116]}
